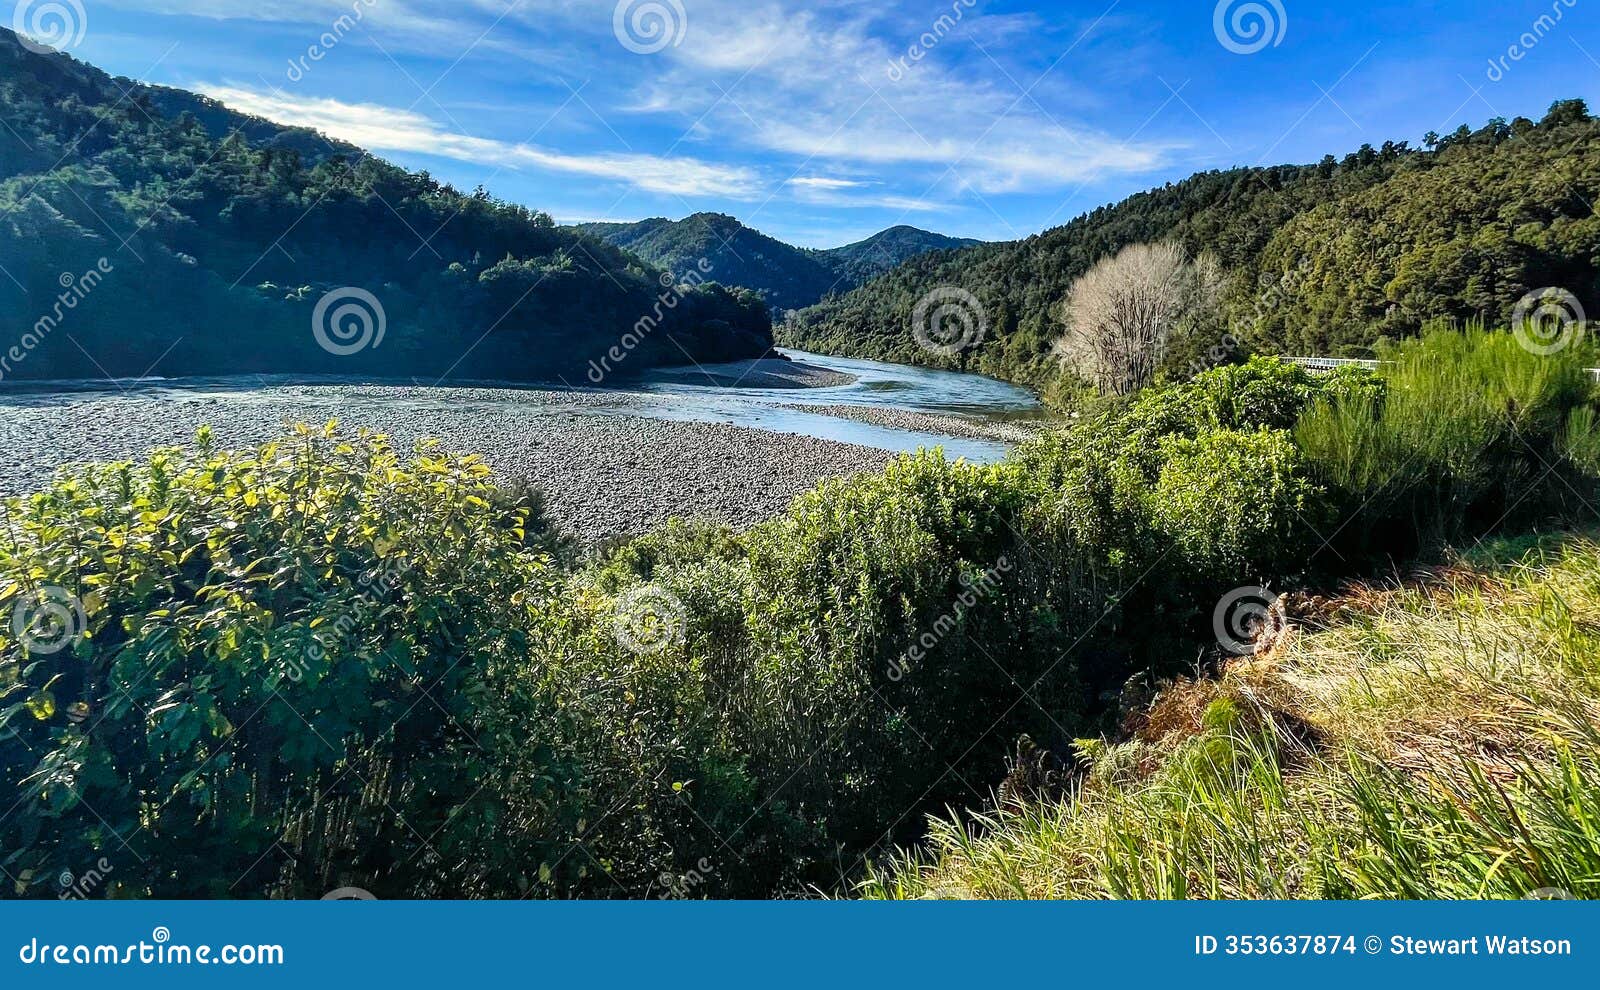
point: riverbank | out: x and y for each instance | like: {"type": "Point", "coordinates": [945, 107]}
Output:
{"type": "Point", "coordinates": [1001, 431]}
{"type": "Point", "coordinates": [778, 373]}
{"type": "Point", "coordinates": [604, 475]}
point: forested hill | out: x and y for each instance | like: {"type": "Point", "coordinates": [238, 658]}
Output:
{"type": "Point", "coordinates": [145, 230]}
{"type": "Point", "coordinates": [788, 277]}
{"type": "Point", "coordinates": [1319, 259]}
{"type": "Point", "coordinates": [858, 262]}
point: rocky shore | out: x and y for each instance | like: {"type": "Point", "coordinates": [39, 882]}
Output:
{"type": "Point", "coordinates": [604, 474]}
{"type": "Point", "coordinates": [1003, 431]}
{"type": "Point", "coordinates": [756, 373]}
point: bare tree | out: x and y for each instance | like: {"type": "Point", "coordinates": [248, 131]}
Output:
{"type": "Point", "coordinates": [1123, 311]}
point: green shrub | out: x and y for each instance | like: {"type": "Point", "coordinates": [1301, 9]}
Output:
{"type": "Point", "coordinates": [1262, 392]}
{"type": "Point", "coordinates": [1237, 505]}
{"type": "Point", "coordinates": [273, 686]}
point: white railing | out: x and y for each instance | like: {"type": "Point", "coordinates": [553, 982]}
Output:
{"type": "Point", "coordinates": [1328, 364]}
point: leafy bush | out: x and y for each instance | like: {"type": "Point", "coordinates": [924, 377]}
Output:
{"type": "Point", "coordinates": [274, 681]}
{"type": "Point", "coordinates": [1237, 504]}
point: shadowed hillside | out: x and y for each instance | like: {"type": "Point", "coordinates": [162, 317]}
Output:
{"type": "Point", "coordinates": [146, 230]}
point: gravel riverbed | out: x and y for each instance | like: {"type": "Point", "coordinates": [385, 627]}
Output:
{"type": "Point", "coordinates": [756, 373]}
{"type": "Point", "coordinates": [1004, 431]}
{"type": "Point", "coordinates": [604, 474]}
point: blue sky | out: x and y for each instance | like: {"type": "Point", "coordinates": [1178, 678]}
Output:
{"type": "Point", "coordinates": [824, 121]}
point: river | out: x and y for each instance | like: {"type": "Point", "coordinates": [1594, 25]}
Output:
{"type": "Point", "coordinates": [878, 386]}
{"type": "Point", "coordinates": [611, 461]}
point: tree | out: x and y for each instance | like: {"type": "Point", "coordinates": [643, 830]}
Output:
{"type": "Point", "coordinates": [1121, 314]}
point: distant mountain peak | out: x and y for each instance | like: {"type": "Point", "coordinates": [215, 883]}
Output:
{"type": "Point", "coordinates": [788, 277]}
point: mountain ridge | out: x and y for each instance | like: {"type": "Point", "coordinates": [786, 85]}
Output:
{"type": "Point", "coordinates": [787, 276]}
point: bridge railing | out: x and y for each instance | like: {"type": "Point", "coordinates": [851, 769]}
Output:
{"type": "Point", "coordinates": [1329, 364]}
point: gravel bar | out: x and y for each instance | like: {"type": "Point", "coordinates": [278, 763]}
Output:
{"type": "Point", "coordinates": [1003, 431]}
{"type": "Point", "coordinates": [756, 373]}
{"type": "Point", "coordinates": [604, 475]}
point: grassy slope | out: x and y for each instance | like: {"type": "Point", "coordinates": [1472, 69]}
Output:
{"type": "Point", "coordinates": [1436, 741]}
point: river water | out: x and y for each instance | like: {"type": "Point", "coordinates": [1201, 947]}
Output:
{"type": "Point", "coordinates": [611, 461]}
{"type": "Point", "coordinates": [891, 387]}
{"type": "Point", "coordinates": [878, 385]}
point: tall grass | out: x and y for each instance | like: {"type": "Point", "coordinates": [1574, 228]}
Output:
{"type": "Point", "coordinates": [1470, 432]}
{"type": "Point", "coordinates": [1437, 742]}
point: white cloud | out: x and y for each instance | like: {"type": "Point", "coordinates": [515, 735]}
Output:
{"type": "Point", "coordinates": [380, 128]}
{"type": "Point", "coordinates": [825, 191]}
{"type": "Point", "coordinates": [760, 86]}
{"type": "Point", "coordinates": [817, 83]}
{"type": "Point", "coordinates": [822, 182]}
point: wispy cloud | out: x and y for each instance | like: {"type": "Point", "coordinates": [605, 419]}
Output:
{"type": "Point", "coordinates": [823, 182]}
{"type": "Point", "coordinates": [816, 83]}
{"type": "Point", "coordinates": [807, 81]}
{"type": "Point", "coordinates": [752, 93]}
{"type": "Point", "coordinates": [380, 128]}
{"type": "Point", "coordinates": [828, 191]}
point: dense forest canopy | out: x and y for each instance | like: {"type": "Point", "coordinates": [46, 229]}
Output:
{"type": "Point", "coordinates": [1322, 259]}
{"type": "Point", "coordinates": [146, 230]}
{"type": "Point", "coordinates": [786, 276]}
{"type": "Point", "coordinates": [865, 259]}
